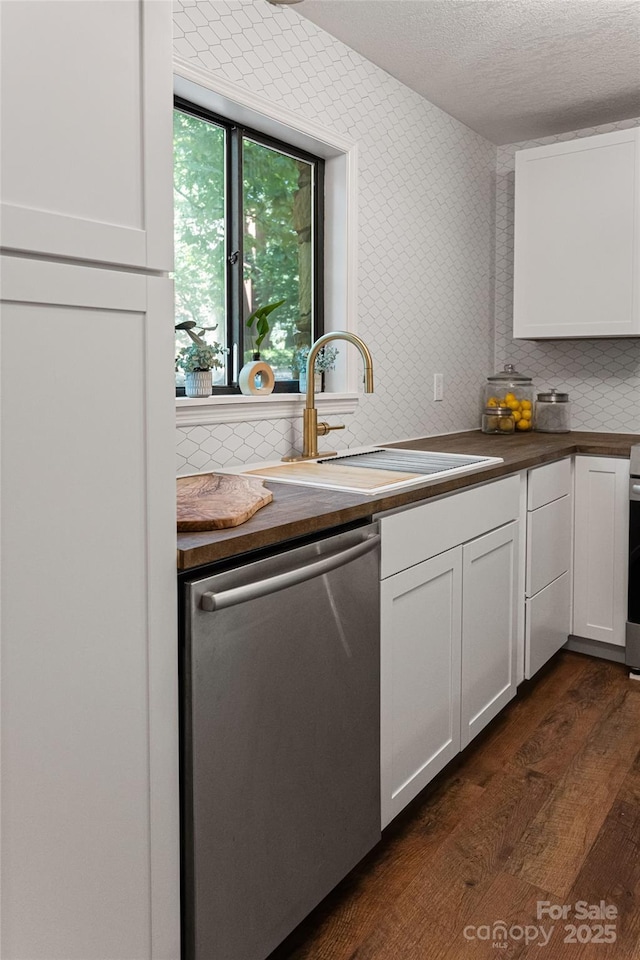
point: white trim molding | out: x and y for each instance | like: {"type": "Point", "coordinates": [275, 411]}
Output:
{"type": "Point", "coordinates": [233, 408]}
{"type": "Point", "coordinates": [340, 154]}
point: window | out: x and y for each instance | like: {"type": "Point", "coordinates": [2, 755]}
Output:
{"type": "Point", "coordinates": [248, 232]}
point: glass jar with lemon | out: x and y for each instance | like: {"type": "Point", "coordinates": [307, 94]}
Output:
{"type": "Point", "coordinates": [514, 391]}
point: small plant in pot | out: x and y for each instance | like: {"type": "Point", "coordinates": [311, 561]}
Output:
{"type": "Point", "coordinates": [197, 360]}
{"type": "Point", "coordinates": [325, 360]}
{"type": "Point", "coordinates": [256, 377]}
{"type": "Point", "coordinates": [260, 318]}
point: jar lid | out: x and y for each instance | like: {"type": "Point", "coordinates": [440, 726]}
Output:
{"type": "Point", "coordinates": [509, 373]}
{"type": "Point", "coordinates": [499, 411]}
{"type": "Point", "coordinates": [552, 396]}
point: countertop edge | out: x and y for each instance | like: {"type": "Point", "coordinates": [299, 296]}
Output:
{"type": "Point", "coordinates": [334, 509]}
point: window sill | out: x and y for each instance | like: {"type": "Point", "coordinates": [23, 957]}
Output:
{"type": "Point", "coordinates": [276, 406]}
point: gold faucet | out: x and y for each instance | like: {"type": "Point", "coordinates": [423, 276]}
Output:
{"type": "Point", "coordinates": [311, 428]}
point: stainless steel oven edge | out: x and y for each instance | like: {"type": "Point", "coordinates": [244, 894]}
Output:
{"type": "Point", "coordinates": [632, 633]}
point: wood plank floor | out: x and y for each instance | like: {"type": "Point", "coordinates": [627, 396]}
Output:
{"type": "Point", "coordinates": [543, 806]}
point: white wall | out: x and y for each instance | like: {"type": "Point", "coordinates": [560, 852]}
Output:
{"type": "Point", "coordinates": [425, 219]}
{"type": "Point", "coordinates": [601, 376]}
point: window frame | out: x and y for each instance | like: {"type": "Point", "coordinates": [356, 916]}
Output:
{"type": "Point", "coordinates": [234, 236]}
{"type": "Point", "coordinates": [233, 100]}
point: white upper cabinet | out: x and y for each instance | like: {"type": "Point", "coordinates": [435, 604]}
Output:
{"type": "Point", "coordinates": [577, 235]}
{"type": "Point", "coordinates": [86, 131]}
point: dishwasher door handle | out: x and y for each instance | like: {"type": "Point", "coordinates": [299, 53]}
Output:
{"type": "Point", "coordinates": [211, 601]}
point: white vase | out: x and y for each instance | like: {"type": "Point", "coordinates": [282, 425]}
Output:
{"type": "Point", "coordinates": [198, 383]}
{"type": "Point", "coordinates": [256, 378]}
{"type": "Point", "coordinates": [317, 382]}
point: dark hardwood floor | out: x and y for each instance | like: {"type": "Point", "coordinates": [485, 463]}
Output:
{"type": "Point", "coordinates": [543, 806]}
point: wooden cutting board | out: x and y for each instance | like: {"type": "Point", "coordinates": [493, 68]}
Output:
{"type": "Point", "coordinates": [358, 478]}
{"type": "Point", "coordinates": [211, 501]}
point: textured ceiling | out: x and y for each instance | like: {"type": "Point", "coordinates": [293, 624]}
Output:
{"type": "Point", "coordinates": [510, 69]}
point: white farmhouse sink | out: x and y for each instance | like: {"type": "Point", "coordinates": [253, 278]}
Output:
{"type": "Point", "coordinates": [374, 470]}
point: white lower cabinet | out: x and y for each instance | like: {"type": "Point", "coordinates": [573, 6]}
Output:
{"type": "Point", "coordinates": [489, 612]}
{"type": "Point", "coordinates": [448, 632]}
{"type": "Point", "coordinates": [453, 592]}
{"type": "Point", "coordinates": [548, 623]}
{"type": "Point", "coordinates": [601, 548]}
{"type": "Point", "coordinates": [548, 544]}
{"type": "Point", "coordinates": [420, 692]}
{"type": "Point", "coordinates": [548, 562]}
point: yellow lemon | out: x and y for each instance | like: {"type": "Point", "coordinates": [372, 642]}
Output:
{"type": "Point", "coordinates": [516, 415]}
{"type": "Point", "coordinates": [526, 404]}
{"type": "Point", "coordinates": [513, 404]}
{"type": "Point", "coordinates": [526, 414]}
{"type": "Point", "coordinates": [523, 424]}
{"type": "Point", "coordinates": [510, 396]}
{"type": "Point", "coordinates": [492, 402]}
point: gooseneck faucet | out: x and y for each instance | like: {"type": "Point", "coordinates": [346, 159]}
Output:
{"type": "Point", "coordinates": [311, 428]}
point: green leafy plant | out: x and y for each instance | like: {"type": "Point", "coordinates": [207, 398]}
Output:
{"type": "Point", "coordinates": [198, 355]}
{"type": "Point", "coordinates": [259, 317]}
{"type": "Point", "coordinates": [325, 360]}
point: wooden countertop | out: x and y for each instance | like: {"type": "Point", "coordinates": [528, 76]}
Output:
{"type": "Point", "coordinates": [297, 511]}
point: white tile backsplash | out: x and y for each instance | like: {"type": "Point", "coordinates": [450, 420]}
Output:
{"type": "Point", "coordinates": [426, 207]}
{"type": "Point", "coordinates": [435, 244]}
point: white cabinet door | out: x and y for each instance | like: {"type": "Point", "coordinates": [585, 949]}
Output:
{"type": "Point", "coordinates": [601, 548]}
{"type": "Point", "coordinates": [489, 617]}
{"type": "Point", "coordinates": [89, 700]}
{"type": "Point", "coordinates": [87, 130]}
{"type": "Point", "coordinates": [577, 236]}
{"type": "Point", "coordinates": [420, 687]}
{"type": "Point", "coordinates": [548, 623]}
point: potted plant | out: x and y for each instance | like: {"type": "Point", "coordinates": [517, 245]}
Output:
{"type": "Point", "coordinates": [256, 377]}
{"type": "Point", "coordinates": [260, 318]}
{"type": "Point", "coordinates": [325, 360]}
{"type": "Point", "coordinates": [197, 360]}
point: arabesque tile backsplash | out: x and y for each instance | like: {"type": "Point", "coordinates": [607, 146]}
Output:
{"type": "Point", "coordinates": [435, 244]}
{"type": "Point", "coordinates": [425, 214]}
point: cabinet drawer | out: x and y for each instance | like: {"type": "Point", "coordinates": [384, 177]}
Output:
{"type": "Point", "coordinates": [548, 623]}
{"type": "Point", "coordinates": [549, 482]}
{"type": "Point", "coordinates": [423, 532]}
{"type": "Point", "coordinates": [548, 544]}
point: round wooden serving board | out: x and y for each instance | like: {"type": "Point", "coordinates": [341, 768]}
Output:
{"type": "Point", "coordinates": [211, 501]}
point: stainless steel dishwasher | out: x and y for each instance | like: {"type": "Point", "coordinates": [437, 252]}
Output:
{"type": "Point", "coordinates": [280, 673]}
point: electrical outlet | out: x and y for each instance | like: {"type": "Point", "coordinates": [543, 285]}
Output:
{"type": "Point", "coordinates": [438, 386]}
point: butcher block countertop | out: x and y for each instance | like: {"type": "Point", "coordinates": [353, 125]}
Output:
{"type": "Point", "coordinates": [298, 511]}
